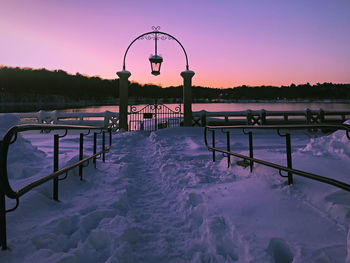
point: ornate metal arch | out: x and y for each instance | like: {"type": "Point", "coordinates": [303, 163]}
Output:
{"type": "Point", "coordinates": [154, 35]}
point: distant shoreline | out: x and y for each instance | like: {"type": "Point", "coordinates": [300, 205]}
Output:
{"type": "Point", "coordinates": [6, 107]}
{"type": "Point", "coordinates": [274, 101]}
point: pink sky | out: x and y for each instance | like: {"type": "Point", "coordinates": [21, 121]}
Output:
{"type": "Point", "coordinates": [229, 43]}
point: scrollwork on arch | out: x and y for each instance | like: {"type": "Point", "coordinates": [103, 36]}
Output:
{"type": "Point", "coordinates": [177, 108]}
{"type": "Point", "coordinates": [154, 35]}
{"type": "Point", "coordinates": [155, 28]}
{"type": "Point", "coordinates": [133, 108]}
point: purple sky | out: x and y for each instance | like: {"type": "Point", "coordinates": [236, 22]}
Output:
{"type": "Point", "coordinates": [229, 43]}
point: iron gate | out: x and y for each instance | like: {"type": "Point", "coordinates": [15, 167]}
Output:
{"type": "Point", "coordinates": [153, 117]}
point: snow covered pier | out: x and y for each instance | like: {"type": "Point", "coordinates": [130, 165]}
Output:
{"type": "Point", "coordinates": [160, 198]}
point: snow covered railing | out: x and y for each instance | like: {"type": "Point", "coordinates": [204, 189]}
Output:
{"type": "Point", "coordinates": [265, 117]}
{"type": "Point", "coordinates": [250, 160]}
{"type": "Point", "coordinates": [104, 119]}
{"type": "Point", "coordinates": [11, 136]}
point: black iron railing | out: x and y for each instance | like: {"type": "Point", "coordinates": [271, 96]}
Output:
{"type": "Point", "coordinates": [11, 136]}
{"type": "Point", "coordinates": [250, 160]}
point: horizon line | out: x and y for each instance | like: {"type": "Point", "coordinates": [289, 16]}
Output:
{"type": "Point", "coordinates": [162, 86]}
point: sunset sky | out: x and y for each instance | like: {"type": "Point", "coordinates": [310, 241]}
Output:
{"type": "Point", "coordinates": [229, 42]}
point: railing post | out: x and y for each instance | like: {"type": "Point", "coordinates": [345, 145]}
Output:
{"type": "Point", "coordinates": [308, 116]}
{"type": "Point", "coordinates": [204, 119]}
{"type": "Point", "coordinates": [228, 149]}
{"type": "Point", "coordinates": [110, 137]}
{"type": "Point", "coordinates": [251, 155]}
{"type": "Point", "coordinates": [81, 154]}
{"type": "Point", "coordinates": [94, 148]}
{"type": "Point", "coordinates": [3, 243]}
{"type": "Point", "coordinates": [213, 143]}
{"type": "Point", "coordinates": [322, 119]}
{"type": "Point", "coordinates": [249, 117]}
{"type": "Point", "coordinates": [263, 117]}
{"type": "Point", "coordinates": [289, 158]}
{"type": "Point", "coordinates": [55, 166]}
{"type": "Point", "coordinates": [155, 115]}
{"type": "Point", "coordinates": [103, 146]}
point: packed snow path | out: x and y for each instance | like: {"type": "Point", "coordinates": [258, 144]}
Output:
{"type": "Point", "coordinates": [157, 232]}
{"type": "Point", "coordinates": [160, 198]}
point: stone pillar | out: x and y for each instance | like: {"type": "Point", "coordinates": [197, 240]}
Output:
{"type": "Point", "coordinates": [123, 98]}
{"type": "Point", "coordinates": [187, 96]}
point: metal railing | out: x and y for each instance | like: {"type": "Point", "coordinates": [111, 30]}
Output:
{"type": "Point", "coordinates": [250, 160]}
{"type": "Point", "coordinates": [105, 119]}
{"type": "Point", "coordinates": [267, 117]}
{"type": "Point", "coordinates": [11, 136]}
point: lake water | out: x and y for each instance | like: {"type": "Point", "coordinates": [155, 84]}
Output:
{"type": "Point", "coordinates": [277, 106]}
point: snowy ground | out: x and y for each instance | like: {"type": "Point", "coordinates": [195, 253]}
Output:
{"type": "Point", "coordinates": [160, 198]}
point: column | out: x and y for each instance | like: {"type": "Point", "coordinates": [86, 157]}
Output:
{"type": "Point", "coordinates": [123, 98]}
{"type": "Point", "coordinates": [187, 96]}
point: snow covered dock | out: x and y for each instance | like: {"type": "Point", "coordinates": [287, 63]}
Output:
{"type": "Point", "coordinates": [160, 198]}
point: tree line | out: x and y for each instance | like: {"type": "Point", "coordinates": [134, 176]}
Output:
{"type": "Point", "coordinates": [27, 84]}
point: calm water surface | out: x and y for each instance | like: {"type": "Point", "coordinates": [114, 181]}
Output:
{"type": "Point", "coordinates": [235, 107]}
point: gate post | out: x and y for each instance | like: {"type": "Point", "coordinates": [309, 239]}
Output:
{"type": "Point", "coordinates": [187, 96]}
{"type": "Point", "coordinates": [123, 98]}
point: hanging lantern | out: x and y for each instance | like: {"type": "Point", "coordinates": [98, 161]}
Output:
{"type": "Point", "coordinates": [156, 62]}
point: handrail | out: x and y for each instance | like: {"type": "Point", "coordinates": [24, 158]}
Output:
{"type": "Point", "coordinates": [281, 168]}
{"type": "Point", "coordinates": [106, 118]}
{"type": "Point", "coordinates": [49, 177]}
{"type": "Point", "coordinates": [4, 183]}
{"type": "Point", "coordinates": [270, 112]}
{"type": "Point", "coordinates": [267, 117]}
{"type": "Point", "coordinates": [285, 126]}
{"type": "Point", "coordinates": [10, 137]}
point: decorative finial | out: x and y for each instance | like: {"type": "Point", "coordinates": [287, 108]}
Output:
{"type": "Point", "coordinates": [155, 28]}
